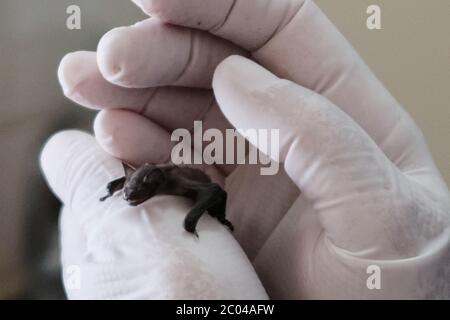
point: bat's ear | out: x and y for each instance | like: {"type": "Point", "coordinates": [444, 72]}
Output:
{"type": "Point", "coordinates": [129, 170]}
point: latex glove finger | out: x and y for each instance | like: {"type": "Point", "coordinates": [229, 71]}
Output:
{"type": "Point", "coordinates": [73, 243]}
{"type": "Point", "coordinates": [336, 165]}
{"type": "Point", "coordinates": [137, 252]}
{"type": "Point", "coordinates": [296, 41]}
{"type": "Point", "coordinates": [134, 139]}
{"type": "Point", "coordinates": [250, 24]}
{"type": "Point", "coordinates": [169, 107]}
{"type": "Point", "coordinates": [151, 53]}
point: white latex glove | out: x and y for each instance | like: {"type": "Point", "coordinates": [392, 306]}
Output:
{"type": "Point", "coordinates": [371, 193]}
{"type": "Point", "coordinates": [123, 252]}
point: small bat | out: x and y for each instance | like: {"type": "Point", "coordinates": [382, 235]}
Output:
{"type": "Point", "coordinates": [140, 185]}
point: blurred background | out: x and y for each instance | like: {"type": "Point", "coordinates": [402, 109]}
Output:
{"type": "Point", "coordinates": [411, 55]}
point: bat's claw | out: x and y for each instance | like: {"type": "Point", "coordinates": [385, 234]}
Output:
{"type": "Point", "coordinates": [102, 199]}
{"type": "Point", "coordinates": [193, 232]}
{"type": "Point", "coordinates": [227, 223]}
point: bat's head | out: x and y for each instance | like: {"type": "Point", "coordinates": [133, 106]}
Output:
{"type": "Point", "coordinates": [141, 184]}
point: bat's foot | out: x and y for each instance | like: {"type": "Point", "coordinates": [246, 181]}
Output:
{"type": "Point", "coordinates": [113, 187]}
{"type": "Point", "coordinates": [190, 226]}
{"type": "Point", "coordinates": [194, 233]}
{"type": "Point", "coordinates": [102, 199]}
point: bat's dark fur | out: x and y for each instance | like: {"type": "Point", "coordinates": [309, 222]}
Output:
{"type": "Point", "coordinates": [139, 185]}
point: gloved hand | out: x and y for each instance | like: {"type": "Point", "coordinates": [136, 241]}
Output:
{"type": "Point", "coordinates": [370, 191]}
{"type": "Point", "coordinates": [113, 251]}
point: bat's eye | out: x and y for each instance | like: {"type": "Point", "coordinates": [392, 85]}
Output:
{"type": "Point", "coordinates": [151, 177]}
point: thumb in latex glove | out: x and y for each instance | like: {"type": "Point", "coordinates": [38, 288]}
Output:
{"type": "Point", "coordinates": [123, 252]}
{"type": "Point", "coordinates": [357, 208]}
